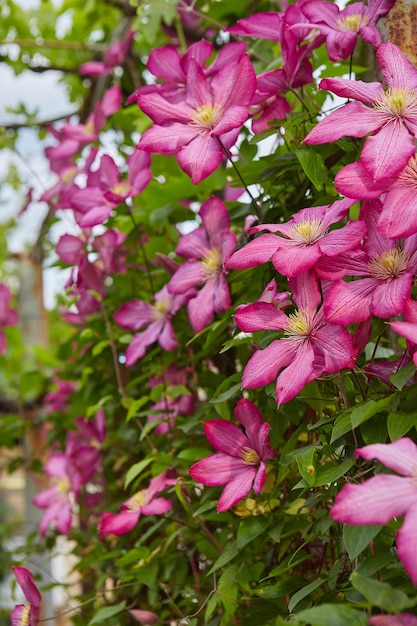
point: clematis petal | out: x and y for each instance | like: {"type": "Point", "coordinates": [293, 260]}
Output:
{"type": "Point", "coordinates": [217, 469]}
{"type": "Point", "coordinates": [157, 506]}
{"type": "Point", "coordinates": [407, 543]}
{"type": "Point", "coordinates": [263, 367]}
{"type": "Point", "coordinates": [256, 252]}
{"type": "Point", "coordinates": [118, 524]}
{"type": "Point", "coordinates": [297, 374]}
{"type": "Point", "coordinates": [400, 456]}
{"type": "Point", "coordinates": [238, 488]}
{"type": "Point", "coordinates": [397, 70]}
{"type": "Point", "coordinates": [200, 157]}
{"type": "Point", "coordinates": [225, 437]}
{"type": "Point", "coordinates": [260, 316]}
{"type": "Point", "coordinates": [387, 152]}
{"type": "Point", "coordinates": [26, 581]}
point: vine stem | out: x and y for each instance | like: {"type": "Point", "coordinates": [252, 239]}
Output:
{"type": "Point", "coordinates": [253, 200]}
{"type": "Point", "coordinates": [113, 349]}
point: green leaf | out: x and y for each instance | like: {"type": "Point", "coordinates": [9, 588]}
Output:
{"type": "Point", "coordinates": [92, 410]}
{"type": "Point", "coordinates": [106, 612]}
{"type": "Point", "coordinates": [314, 167]}
{"type": "Point", "coordinates": [193, 454]}
{"type": "Point", "coordinates": [400, 423]}
{"type": "Point", "coordinates": [250, 528]}
{"type": "Point", "coordinates": [357, 538]}
{"type": "Point", "coordinates": [400, 378]}
{"type": "Point", "coordinates": [330, 472]}
{"type": "Point", "coordinates": [342, 426]}
{"type": "Point", "coordinates": [228, 555]}
{"type": "Point", "coordinates": [136, 469]}
{"type": "Point", "coordinates": [303, 593]}
{"type": "Point", "coordinates": [370, 408]}
{"type": "Point", "coordinates": [381, 594]}
{"type": "Point", "coordinates": [331, 615]}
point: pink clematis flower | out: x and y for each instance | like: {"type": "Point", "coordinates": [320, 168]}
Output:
{"type": "Point", "coordinates": [306, 238]}
{"type": "Point", "coordinates": [384, 267]}
{"type": "Point", "coordinates": [398, 217]}
{"type": "Point", "coordinates": [240, 461]}
{"type": "Point", "coordinates": [26, 614]}
{"type": "Point", "coordinates": [58, 499]}
{"type": "Point", "coordinates": [115, 55]}
{"type": "Point", "coordinates": [372, 502]}
{"type": "Point", "coordinates": [389, 114]}
{"type": "Point", "coordinates": [209, 118]}
{"type": "Point", "coordinates": [8, 316]}
{"type": "Point", "coordinates": [143, 502]}
{"type": "Point", "coordinates": [402, 619]}
{"type": "Point", "coordinates": [169, 407]}
{"type": "Point", "coordinates": [341, 27]}
{"type": "Point", "coordinates": [408, 328]}
{"type": "Point", "coordinates": [137, 314]}
{"type": "Point", "coordinates": [205, 248]}
{"type": "Point", "coordinates": [310, 346]}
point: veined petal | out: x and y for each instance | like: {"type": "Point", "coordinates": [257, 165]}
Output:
{"type": "Point", "coordinates": [162, 111]}
{"type": "Point", "coordinates": [342, 239]}
{"type": "Point", "coordinates": [217, 469]}
{"type": "Point", "coordinates": [407, 543]}
{"type": "Point", "coordinates": [336, 345]}
{"type": "Point", "coordinates": [26, 581]}
{"type": "Point", "coordinates": [291, 260]}
{"type": "Point", "coordinates": [362, 120]}
{"type": "Point", "coordinates": [157, 506]}
{"type": "Point", "coordinates": [222, 300]}
{"type": "Point", "coordinates": [355, 181]}
{"type": "Point", "coordinates": [194, 245]}
{"type": "Point", "coordinates": [118, 524]}
{"type": "Point", "coordinates": [259, 480]}
{"type": "Point", "coordinates": [387, 152]}
{"type": "Point", "coordinates": [297, 374]}
{"type": "Point", "coordinates": [238, 488]}
{"type": "Point", "coordinates": [134, 315]}
{"type": "Point", "coordinates": [263, 367]}
{"type": "Point", "coordinates": [396, 69]}
{"type": "Point", "coordinates": [260, 316]}
{"type": "Point", "coordinates": [166, 338]}
{"type": "Point", "coordinates": [200, 157]}
{"type": "Point", "coordinates": [340, 45]}
{"type": "Point", "coordinates": [235, 84]}
{"type": "Point", "coordinates": [225, 436]}
{"type": "Point", "coordinates": [372, 503]}
{"type": "Point", "coordinates": [166, 139]}
{"type": "Point", "coordinates": [201, 308]}
{"type": "Point", "coordinates": [141, 341]}
{"type": "Point", "coordinates": [350, 303]}
{"type": "Point", "coordinates": [400, 456]}
{"type": "Point", "coordinates": [389, 298]}
{"type": "Point", "coordinates": [399, 212]}
{"type": "Point", "coordinates": [353, 89]}
{"type": "Point", "coordinates": [256, 252]}
{"type": "Point", "coordinates": [405, 329]}
{"type": "Point", "coordinates": [188, 275]}
{"type": "Point", "coordinates": [215, 218]}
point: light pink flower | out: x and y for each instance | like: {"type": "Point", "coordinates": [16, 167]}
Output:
{"type": "Point", "coordinates": [212, 114]}
{"type": "Point", "coordinates": [147, 618]}
{"type": "Point", "coordinates": [389, 115]}
{"type": "Point", "coordinates": [384, 267]}
{"type": "Point", "coordinates": [142, 503]}
{"type": "Point", "coordinates": [310, 346]}
{"type": "Point", "coordinates": [385, 496]}
{"type": "Point", "coordinates": [205, 248]}
{"type": "Point", "coordinates": [26, 614]}
{"type": "Point", "coordinates": [306, 238]}
{"type": "Point", "coordinates": [8, 316]}
{"type": "Point", "coordinates": [56, 400]}
{"type": "Point", "coordinates": [240, 461]}
{"type": "Point", "coordinates": [59, 498]}
{"type": "Point", "coordinates": [115, 55]}
{"type": "Point", "coordinates": [341, 27]}
{"type": "Point", "coordinates": [138, 314]}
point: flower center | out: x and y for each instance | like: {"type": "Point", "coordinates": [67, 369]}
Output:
{"type": "Point", "coordinates": [137, 500]}
{"type": "Point", "coordinates": [24, 618]}
{"type": "Point", "coordinates": [389, 264]}
{"type": "Point", "coordinates": [206, 116]}
{"type": "Point", "coordinates": [300, 324]}
{"type": "Point", "coordinates": [122, 188]}
{"type": "Point", "coordinates": [408, 177]}
{"type": "Point", "coordinates": [398, 102]}
{"type": "Point", "coordinates": [249, 456]}
{"type": "Point", "coordinates": [352, 23]}
{"type": "Point", "coordinates": [212, 263]}
{"type": "Point", "coordinates": [306, 233]}
{"type": "Point", "coordinates": [63, 485]}
{"type": "Point", "coordinates": [161, 308]}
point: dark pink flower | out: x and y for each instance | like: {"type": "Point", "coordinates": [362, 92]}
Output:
{"type": "Point", "coordinates": [56, 400]}
{"type": "Point", "coordinates": [372, 501]}
{"type": "Point", "coordinates": [205, 248]}
{"type": "Point", "coordinates": [147, 618]}
{"type": "Point", "coordinates": [341, 27]}
{"type": "Point", "coordinates": [26, 614]}
{"type": "Point", "coordinates": [389, 115]}
{"type": "Point", "coordinates": [401, 619]}
{"type": "Point", "coordinates": [310, 346]}
{"type": "Point", "coordinates": [138, 314]}
{"type": "Point", "coordinates": [240, 461]}
{"type": "Point", "coordinates": [306, 238]}
{"type": "Point", "coordinates": [170, 406]}
{"type": "Point", "coordinates": [212, 114]}
{"type": "Point", "coordinates": [398, 217]}
{"type": "Point", "coordinates": [384, 267]}
{"type": "Point", "coordinates": [142, 503]}
{"type": "Point", "coordinates": [8, 316]}
{"type": "Point", "coordinates": [408, 328]}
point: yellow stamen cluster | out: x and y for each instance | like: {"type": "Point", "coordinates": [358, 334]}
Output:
{"type": "Point", "coordinates": [212, 263]}
{"type": "Point", "coordinates": [306, 233]}
{"type": "Point", "coordinates": [63, 485]}
{"type": "Point", "coordinates": [352, 23]}
{"type": "Point", "coordinates": [206, 116]}
{"type": "Point", "coordinates": [408, 176]}
{"type": "Point", "coordinates": [389, 264]}
{"type": "Point", "coordinates": [24, 618]}
{"type": "Point", "coordinates": [161, 308]}
{"type": "Point", "coordinates": [121, 188]}
{"type": "Point", "coordinates": [398, 102]}
{"type": "Point", "coordinates": [299, 324]}
{"type": "Point", "coordinates": [250, 456]}
{"type": "Point", "coordinates": [137, 500]}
